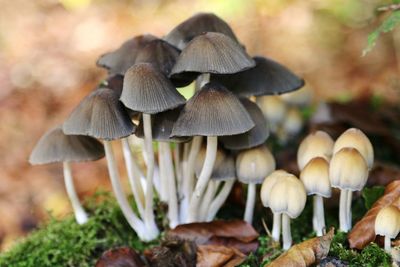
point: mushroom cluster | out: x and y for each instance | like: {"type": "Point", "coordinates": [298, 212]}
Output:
{"type": "Point", "coordinates": [139, 99]}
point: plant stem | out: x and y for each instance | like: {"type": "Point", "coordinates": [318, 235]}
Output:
{"type": "Point", "coordinates": [219, 200]}
{"type": "Point", "coordinates": [80, 214]}
{"type": "Point", "coordinates": [388, 245]}
{"type": "Point", "coordinates": [133, 177]}
{"type": "Point", "coordinates": [318, 205]}
{"type": "Point", "coordinates": [276, 226]}
{"type": "Point", "coordinates": [211, 153]}
{"type": "Point", "coordinates": [130, 216]}
{"type": "Point", "coordinates": [286, 233]}
{"type": "Point", "coordinates": [251, 199]}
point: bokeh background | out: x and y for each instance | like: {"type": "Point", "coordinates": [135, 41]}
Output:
{"type": "Point", "coordinates": [48, 50]}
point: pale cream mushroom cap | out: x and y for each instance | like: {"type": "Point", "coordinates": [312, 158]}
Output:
{"type": "Point", "coordinates": [301, 97]}
{"type": "Point", "coordinates": [387, 222]}
{"type": "Point", "coordinates": [348, 170]}
{"type": "Point", "coordinates": [288, 196]}
{"type": "Point", "coordinates": [315, 177]}
{"type": "Point", "coordinates": [273, 108]}
{"type": "Point", "coordinates": [253, 165]}
{"type": "Point", "coordinates": [269, 182]}
{"type": "Point", "coordinates": [316, 144]}
{"type": "Point", "coordinates": [357, 139]}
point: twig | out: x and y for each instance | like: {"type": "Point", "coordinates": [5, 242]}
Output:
{"type": "Point", "coordinates": [392, 7]}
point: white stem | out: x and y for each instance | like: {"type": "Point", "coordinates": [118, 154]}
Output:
{"type": "Point", "coordinates": [170, 177]}
{"type": "Point", "coordinates": [348, 208]}
{"type": "Point", "coordinates": [207, 199]}
{"type": "Point", "coordinates": [188, 177]}
{"type": "Point", "coordinates": [148, 211]}
{"type": "Point", "coordinates": [163, 178]}
{"type": "Point", "coordinates": [80, 214]}
{"type": "Point", "coordinates": [286, 233]}
{"type": "Point", "coordinates": [133, 176]}
{"type": "Point", "coordinates": [319, 214]}
{"type": "Point", "coordinates": [251, 200]}
{"type": "Point", "coordinates": [276, 226]}
{"type": "Point", "coordinates": [204, 79]}
{"type": "Point", "coordinates": [178, 166]}
{"type": "Point", "coordinates": [211, 154]}
{"type": "Point", "coordinates": [388, 245]}
{"type": "Point", "coordinates": [343, 225]}
{"type": "Point", "coordinates": [219, 200]}
{"type": "Point", "coordinates": [130, 216]}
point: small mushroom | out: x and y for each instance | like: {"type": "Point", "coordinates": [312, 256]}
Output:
{"type": "Point", "coordinates": [252, 166]}
{"type": "Point", "coordinates": [291, 125]}
{"type": "Point", "coordinates": [348, 171]}
{"type": "Point", "coordinates": [298, 98]}
{"type": "Point", "coordinates": [274, 110]}
{"type": "Point", "coordinates": [315, 177]}
{"type": "Point", "coordinates": [387, 224]}
{"type": "Point", "coordinates": [55, 146]}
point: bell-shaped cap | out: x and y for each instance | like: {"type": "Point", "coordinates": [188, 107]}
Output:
{"type": "Point", "coordinates": [255, 137]}
{"type": "Point", "coordinates": [100, 115]}
{"type": "Point", "coordinates": [288, 196]}
{"type": "Point", "coordinates": [55, 146]}
{"type": "Point", "coordinates": [274, 110]}
{"type": "Point", "coordinates": [357, 139]}
{"type": "Point", "coordinates": [253, 165]}
{"type": "Point", "coordinates": [348, 170]}
{"type": "Point", "coordinates": [316, 144]}
{"type": "Point", "coordinates": [266, 78]}
{"type": "Point", "coordinates": [161, 126]}
{"type": "Point", "coordinates": [269, 182]}
{"type": "Point", "coordinates": [121, 59]}
{"type": "Point", "coordinates": [387, 222]}
{"type": "Point", "coordinates": [147, 90]}
{"type": "Point", "coordinates": [315, 177]}
{"type": "Point", "coordinates": [224, 165]}
{"type": "Point", "coordinates": [212, 111]}
{"type": "Point", "coordinates": [200, 23]}
{"type": "Point", "coordinates": [212, 53]}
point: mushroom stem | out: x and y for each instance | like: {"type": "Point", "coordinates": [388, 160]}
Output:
{"type": "Point", "coordinates": [251, 199]}
{"type": "Point", "coordinates": [286, 233]}
{"type": "Point", "coordinates": [276, 226]}
{"type": "Point", "coordinates": [388, 245]}
{"type": "Point", "coordinates": [348, 208]}
{"type": "Point", "coordinates": [219, 200]}
{"type": "Point", "coordinates": [80, 214]}
{"type": "Point", "coordinates": [211, 154]}
{"type": "Point", "coordinates": [148, 212]}
{"type": "Point", "coordinates": [318, 218]}
{"type": "Point", "coordinates": [178, 165]}
{"type": "Point", "coordinates": [343, 225]}
{"type": "Point", "coordinates": [130, 216]}
{"type": "Point", "coordinates": [207, 199]}
{"type": "Point", "coordinates": [133, 177]}
{"type": "Point", "coordinates": [189, 177]}
{"type": "Point", "coordinates": [173, 215]}
{"type": "Point", "coordinates": [163, 175]}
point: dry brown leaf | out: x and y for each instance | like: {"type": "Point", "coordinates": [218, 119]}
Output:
{"type": "Point", "coordinates": [120, 257]}
{"type": "Point", "coordinates": [363, 231]}
{"type": "Point", "coordinates": [306, 253]}
{"type": "Point", "coordinates": [218, 256]}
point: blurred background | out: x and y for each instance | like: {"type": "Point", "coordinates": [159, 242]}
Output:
{"type": "Point", "coordinates": [48, 50]}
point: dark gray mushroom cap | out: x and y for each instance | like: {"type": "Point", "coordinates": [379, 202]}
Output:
{"type": "Point", "coordinates": [213, 111]}
{"type": "Point", "coordinates": [196, 25]}
{"type": "Point", "coordinates": [161, 126]}
{"type": "Point", "coordinates": [267, 78]}
{"type": "Point", "coordinates": [121, 59]}
{"type": "Point", "coordinates": [100, 115]}
{"type": "Point", "coordinates": [147, 90]}
{"type": "Point", "coordinates": [212, 53]}
{"type": "Point", "coordinates": [55, 146]}
{"type": "Point", "coordinates": [255, 137]}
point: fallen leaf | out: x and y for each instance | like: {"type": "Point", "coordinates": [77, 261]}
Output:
{"type": "Point", "coordinates": [306, 253]}
{"type": "Point", "coordinates": [120, 257]}
{"type": "Point", "coordinates": [218, 256]}
{"type": "Point", "coordinates": [363, 231]}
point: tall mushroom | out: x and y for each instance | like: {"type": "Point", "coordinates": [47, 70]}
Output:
{"type": "Point", "coordinates": [148, 91]}
{"type": "Point", "coordinates": [252, 166]}
{"type": "Point", "coordinates": [55, 146]}
{"type": "Point", "coordinates": [213, 111]}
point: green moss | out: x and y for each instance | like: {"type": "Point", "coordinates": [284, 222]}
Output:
{"type": "Point", "coordinates": [267, 251]}
{"type": "Point", "coordinates": [65, 243]}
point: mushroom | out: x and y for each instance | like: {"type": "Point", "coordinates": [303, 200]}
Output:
{"type": "Point", "coordinates": [315, 177]}
{"type": "Point", "coordinates": [316, 144]}
{"type": "Point", "coordinates": [55, 146]}
{"type": "Point", "coordinates": [288, 196]}
{"type": "Point", "coordinates": [348, 171]}
{"type": "Point", "coordinates": [291, 125]}
{"type": "Point", "coordinates": [148, 91]}
{"type": "Point", "coordinates": [252, 166]}
{"type": "Point", "coordinates": [274, 110]}
{"type": "Point", "coordinates": [102, 115]}
{"type": "Point", "coordinates": [298, 98]}
{"type": "Point", "coordinates": [387, 224]}
{"type": "Point", "coordinates": [213, 111]}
